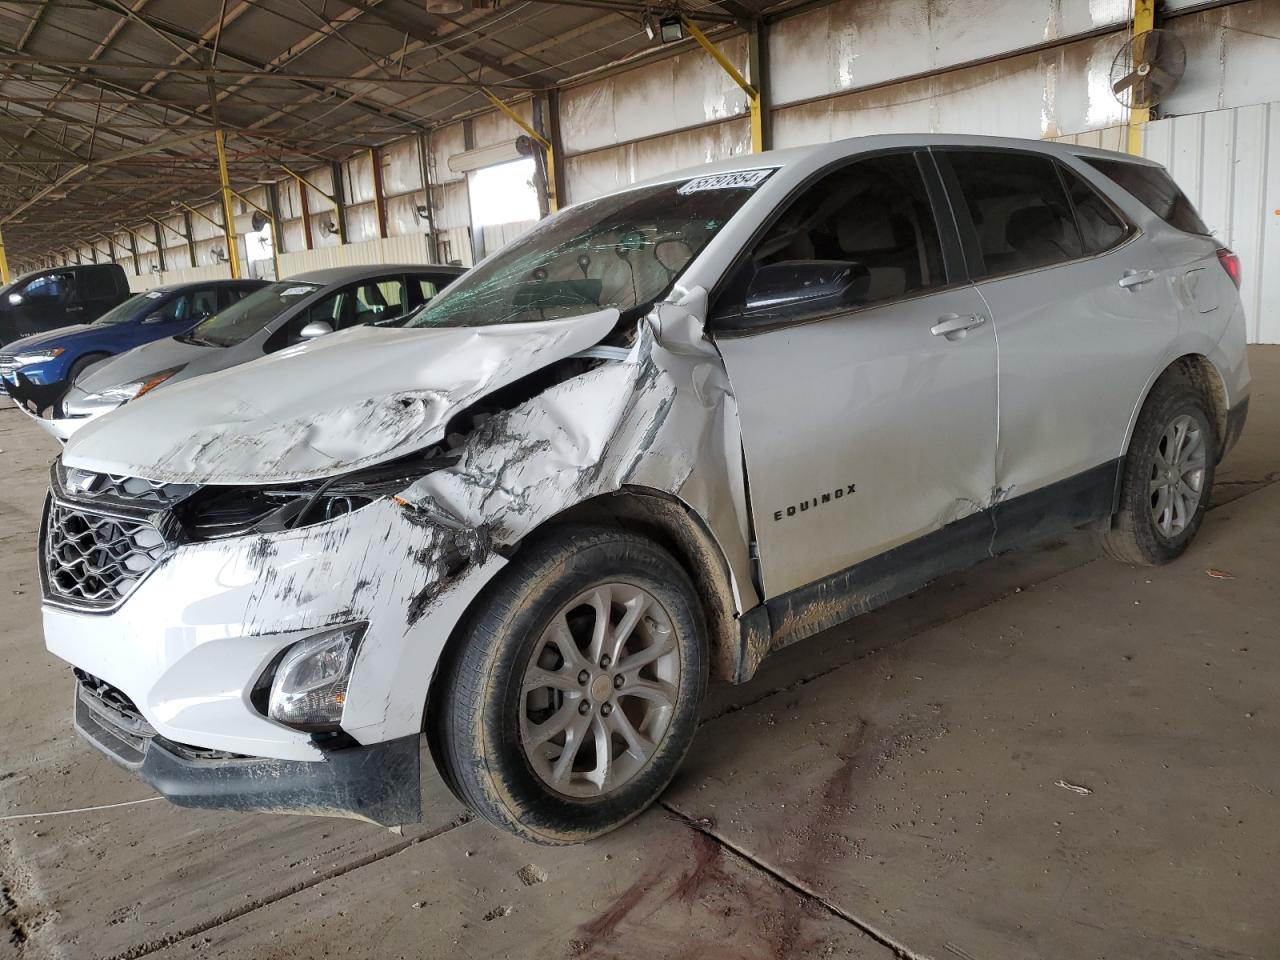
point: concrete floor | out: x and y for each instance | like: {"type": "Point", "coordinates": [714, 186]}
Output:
{"type": "Point", "coordinates": [1050, 755]}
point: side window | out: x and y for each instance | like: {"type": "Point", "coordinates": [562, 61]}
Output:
{"type": "Point", "coordinates": [329, 310]}
{"type": "Point", "coordinates": [865, 230]}
{"type": "Point", "coordinates": [50, 287]}
{"type": "Point", "coordinates": [1155, 190]}
{"type": "Point", "coordinates": [1101, 228]}
{"type": "Point", "coordinates": [1019, 209]}
{"type": "Point", "coordinates": [204, 303]}
{"type": "Point", "coordinates": [229, 295]}
{"type": "Point", "coordinates": [175, 308]}
{"type": "Point", "coordinates": [377, 300]}
{"type": "Point", "coordinates": [424, 288]}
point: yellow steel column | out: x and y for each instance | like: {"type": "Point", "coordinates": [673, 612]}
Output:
{"type": "Point", "coordinates": [4, 262]}
{"type": "Point", "coordinates": [1144, 19]}
{"type": "Point", "coordinates": [228, 217]}
{"type": "Point", "coordinates": [753, 95]}
{"type": "Point", "coordinates": [519, 121]}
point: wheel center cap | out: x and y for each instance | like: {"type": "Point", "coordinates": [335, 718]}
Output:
{"type": "Point", "coordinates": [601, 688]}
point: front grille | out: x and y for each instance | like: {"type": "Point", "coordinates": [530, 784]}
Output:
{"type": "Point", "coordinates": [93, 560]}
{"type": "Point", "coordinates": [7, 364]}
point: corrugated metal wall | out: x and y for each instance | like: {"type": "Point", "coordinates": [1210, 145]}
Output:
{"type": "Point", "coordinates": [1228, 163]}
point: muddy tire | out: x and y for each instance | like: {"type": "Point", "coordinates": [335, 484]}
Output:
{"type": "Point", "coordinates": [572, 693]}
{"type": "Point", "coordinates": [1168, 477]}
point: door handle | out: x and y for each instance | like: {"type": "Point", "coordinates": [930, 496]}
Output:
{"type": "Point", "coordinates": [952, 324]}
{"type": "Point", "coordinates": [1136, 278]}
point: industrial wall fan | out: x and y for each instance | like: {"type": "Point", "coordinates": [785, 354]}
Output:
{"type": "Point", "coordinates": [1147, 68]}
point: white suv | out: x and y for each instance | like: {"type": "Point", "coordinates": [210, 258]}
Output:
{"type": "Point", "coordinates": [664, 433]}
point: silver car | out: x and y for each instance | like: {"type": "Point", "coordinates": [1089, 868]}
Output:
{"type": "Point", "coordinates": [283, 314]}
{"type": "Point", "coordinates": [667, 431]}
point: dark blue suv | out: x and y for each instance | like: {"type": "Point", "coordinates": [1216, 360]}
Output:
{"type": "Point", "coordinates": [37, 370]}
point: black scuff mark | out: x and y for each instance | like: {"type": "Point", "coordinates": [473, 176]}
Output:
{"type": "Point", "coordinates": [445, 561]}
{"type": "Point", "coordinates": [262, 552]}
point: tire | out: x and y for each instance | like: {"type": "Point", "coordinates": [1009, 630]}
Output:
{"type": "Point", "coordinates": [77, 368]}
{"type": "Point", "coordinates": [487, 712]}
{"type": "Point", "coordinates": [1135, 535]}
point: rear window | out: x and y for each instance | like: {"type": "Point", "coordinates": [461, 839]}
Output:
{"type": "Point", "coordinates": [1156, 190]}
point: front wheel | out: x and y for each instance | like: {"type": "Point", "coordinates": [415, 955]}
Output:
{"type": "Point", "coordinates": [1168, 477]}
{"type": "Point", "coordinates": [573, 693]}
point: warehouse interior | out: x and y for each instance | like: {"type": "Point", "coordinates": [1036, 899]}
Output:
{"type": "Point", "coordinates": [366, 132]}
{"type": "Point", "coordinates": [1048, 755]}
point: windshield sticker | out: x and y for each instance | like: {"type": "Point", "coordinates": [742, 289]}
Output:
{"type": "Point", "coordinates": [297, 291]}
{"type": "Point", "coordinates": [154, 295]}
{"type": "Point", "coordinates": [739, 179]}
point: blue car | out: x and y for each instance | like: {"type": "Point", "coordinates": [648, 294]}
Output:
{"type": "Point", "coordinates": [37, 370]}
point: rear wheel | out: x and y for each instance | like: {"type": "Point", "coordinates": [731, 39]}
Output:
{"type": "Point", "coordinates": [1168, 477]}
{"type": "Point", "coordinates": [573, 694]}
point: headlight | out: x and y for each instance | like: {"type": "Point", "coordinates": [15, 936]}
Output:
{"type": "Point", "coordinates": [134, 389]}
{"type": "Point", "coordinates": [309, 686]}
{"type": "Point", "coordinates": [38, 356]}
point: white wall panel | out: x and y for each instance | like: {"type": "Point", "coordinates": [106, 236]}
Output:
{"type": "Point", "coordinates": [411, 249]}
{"type": "Point", "coordinates": [401, 170]}
{"type": "Point", "coordinates": [403, 218]}
{"type": "Point", "coordinates": [1228, 163]}
{"type": "Point", "coordinates": [601, 171]}
{"type": "Point", "coordinates": [683, 91]}
{"type": "Point", "coordinates": [1233, 58]}
{"type": "Point", "coordinates": [858, 43]}
{"type": "Point", "coordinates": [445, 142]}
{"type": "Point", "coordinates": [1032, 95]}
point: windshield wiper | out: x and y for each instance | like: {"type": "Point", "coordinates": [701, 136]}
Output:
{"type": "Point", "coordinates": [198, 341]}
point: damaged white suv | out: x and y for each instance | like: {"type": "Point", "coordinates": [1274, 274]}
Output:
{"type": "Point", "coordinates": [667, 431]}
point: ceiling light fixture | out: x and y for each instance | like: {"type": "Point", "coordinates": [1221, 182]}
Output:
{"type": "Point", "coordinates": [672, 29]}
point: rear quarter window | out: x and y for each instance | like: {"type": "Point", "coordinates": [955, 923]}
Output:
{"type": "Point", "coordinates": [1155, 189]}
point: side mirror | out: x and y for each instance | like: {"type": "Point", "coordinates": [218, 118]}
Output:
{"type": "Point", "coordinates": [316, 328]}
{"type": "Point", "coordinates": [15, 299]}
{"type": "Point", "coordinates": [796, 289]}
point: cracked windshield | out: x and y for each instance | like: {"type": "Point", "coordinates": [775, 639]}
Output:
{"type": "Point", "coordinates": [623, 251]}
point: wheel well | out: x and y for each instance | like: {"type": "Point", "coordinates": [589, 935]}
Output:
{"type": "Point", "coordinates": [669, 523]}
{"type": "Point", "coordinates": [1199, 371]}
{"type": "Point", "coordinates": [93, 356]}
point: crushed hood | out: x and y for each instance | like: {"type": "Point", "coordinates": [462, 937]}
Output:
{"type": "Point", "coordinates": [322, 408]}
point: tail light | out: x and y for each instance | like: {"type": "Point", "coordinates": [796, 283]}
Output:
{"type": "Point", "coordinates": [1230, 263]}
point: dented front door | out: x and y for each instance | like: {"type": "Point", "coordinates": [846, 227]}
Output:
{"type": "Point", "coordinates": [864, 431]}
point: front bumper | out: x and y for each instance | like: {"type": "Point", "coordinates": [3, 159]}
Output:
{"type": "Point", "coordinates": [379, 783]}
{"type": "Point", "coordinates": [190, 640]}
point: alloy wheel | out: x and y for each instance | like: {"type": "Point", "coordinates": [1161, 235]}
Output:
{"type": "Point", "coordinates": [600, 690]}
{"type": "Point", "coordinates": [1177, 476]}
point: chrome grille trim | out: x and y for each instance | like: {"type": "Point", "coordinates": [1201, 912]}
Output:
{"type": "Point", "coordinates": [93, 487]}
{"type": "Point", "coordinates": [94, 551]}
{"type": "Point", "coordinates": [92, 561]}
